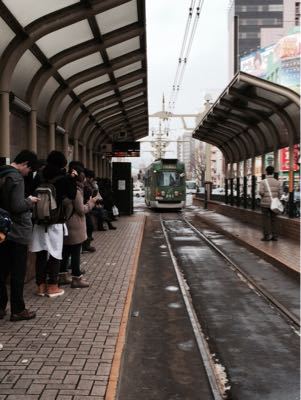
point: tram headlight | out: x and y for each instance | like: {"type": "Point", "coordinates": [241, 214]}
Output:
{"type": "Point", "coordinates": [162, 193]}
{"type": "Point", "coordinates": [176, 193]}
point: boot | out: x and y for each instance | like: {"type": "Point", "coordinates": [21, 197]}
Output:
{"type": "Point", "coordinates": [41, 290]}
{"type": "Point", "coordinates": [86, 247]}
{"type": "Point", "coordinates": [64, 278]}
{"type": "Point", "coordinates": [78, 282]}
{"type": "Point", "coordinates": [111, 226]}
{"type": "Point", "coordinates": [53, 290]}
{"type": "Point", "coordinates": [265, 238]}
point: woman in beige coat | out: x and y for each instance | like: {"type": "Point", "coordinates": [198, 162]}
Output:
{"type": "Point", "coordinates": [77, 233]}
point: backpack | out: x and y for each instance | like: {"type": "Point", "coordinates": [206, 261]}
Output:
{"type": "Point", "coordinates": [46, 211]}
{"type": "Point", "coordinates": [5, 218]}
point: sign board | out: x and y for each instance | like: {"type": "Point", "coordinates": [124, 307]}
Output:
{"type": "Point", "coordinates": [126, 149]}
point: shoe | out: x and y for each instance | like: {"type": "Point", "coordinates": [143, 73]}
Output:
{"type": "Point", "coordinates": [112, 227]}
{"type": "Point", "coordinates": [53, 290]}
{"type": "Point", "coordinates": [41, 290]}
{"type": "Point", "coordinates": [274, 238]}
{"type": "Point", "coordinates": [64, 278]}
{"type": "Point", "coordinates": [23, 315]}
{"type": "Point", "coordinates": [78, 282]}
{"type": "Point", "coordinates": [102, 229]}
{"type": "Point", "coordinates": [91, 249]}
{"type": "Point", "coordinates": [2, 313]}
{"type": "Point", "coordinates": [265, 238]}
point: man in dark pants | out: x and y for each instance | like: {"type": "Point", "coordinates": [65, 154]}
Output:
{"type": "Point", "coordinates": [268, 189]}
{"type": "Point", "coordinates": [13, 252]}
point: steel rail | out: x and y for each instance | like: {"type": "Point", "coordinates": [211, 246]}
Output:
{"type": "Point", "coordinates": [215, 385]}
{"type": "Point", "coordinates": [268, 296]}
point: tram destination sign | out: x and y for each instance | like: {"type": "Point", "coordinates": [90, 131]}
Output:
{"type": "Point", "coordinates": [126, 149]}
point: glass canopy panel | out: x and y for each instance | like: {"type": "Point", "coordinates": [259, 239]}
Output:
{"type": "Point", "coordinates": [129, 68]}
{"type": "Point", "coordinates": [6, 35]}
{"type": "Point", "coordinates": [135, 106]}
{"type": "Point", "coordinates": [80, 65]}
{"type": "Point", "coordinates": [117, 17]}
{"type": "Point", "coordinates": [105, 107]}
{"type": "Point", "coordinates": [110, 116]}
{"type": "Point", "coordinates": [23, 73]}
{"type": "Point", "coordinates": [64, 38]}
{"type": "Point", "coordinates": [89, 84]}
{"type": "Point", "coordinates": [99, 97]}
{"type": "Point", "coordinates": [131, 97]}
{"type": "Point", "coordinates": [27, 11]}
{"type": "Point", "coordinates": [63, 106]}
{"type": "Point", "coordinates": [130, 85]}
{"type": "Point", "coordinates": [45, 96]}
{"type": "Point", "coordinates": [123, 48]}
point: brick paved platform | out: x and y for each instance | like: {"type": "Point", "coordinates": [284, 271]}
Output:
{"type": "Point", "coordinates": [67, 351]}
{"type": "Point", "coordinates": [285, 252]}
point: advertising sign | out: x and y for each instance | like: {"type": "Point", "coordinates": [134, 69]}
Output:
{"type": "Point", "coordinates": [284, 158]}
{"type": "Point", "coordinates": [279, 63]}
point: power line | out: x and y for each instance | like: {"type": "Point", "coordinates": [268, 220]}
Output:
{"type": "Point", "coordinates": [185, 50]}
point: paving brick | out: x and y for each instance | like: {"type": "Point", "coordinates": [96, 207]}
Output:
{"type": "Point", "coordinates": [70, 345]}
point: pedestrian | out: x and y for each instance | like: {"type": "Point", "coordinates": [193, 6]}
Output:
{"type": "Point", "coordinates": [47, 239]}
{"type": "Point", "coordinates": [77, 233]}
{"type": "Point", "coordinates": [89, 191]}
{"type": "Point", "coordinates": [13, 251]}
{"type": "Point", "coordinates": [267, 186]}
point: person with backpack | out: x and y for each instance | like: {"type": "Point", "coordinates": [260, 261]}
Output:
{"type": "Point", "coordinates": [13, 251]}
{"type": "Point", "coordinates": [56, 191]}
{"type": "Point", "coordinates": [77, 231]}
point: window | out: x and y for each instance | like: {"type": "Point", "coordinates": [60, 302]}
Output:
{"type": "Point", "coordinates": [262, 8]}
{"type": "Point", "coordinates": [169, 178]}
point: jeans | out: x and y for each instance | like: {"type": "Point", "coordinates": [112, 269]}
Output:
{"type": "Point", "coordinates": [89, 225]}
{"type": "Point", "coordinates": [14, 259]}
{"type": "Point", "coordinates": [72, 250]}
{"type": "Point", "coordinates": [268, 222]}
{"type": "Point", "coordinates": [47, 266]}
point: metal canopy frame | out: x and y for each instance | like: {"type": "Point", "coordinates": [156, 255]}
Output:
{"type": "Point", "coordinates": [117, 53]}
{"type": "Point", "coordinates": [250, 118]}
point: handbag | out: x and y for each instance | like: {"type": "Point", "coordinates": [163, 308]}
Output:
{"type": "Point", "coordinates": [115, 211]}
{"type": "Point", "coordinates": [276, 205]}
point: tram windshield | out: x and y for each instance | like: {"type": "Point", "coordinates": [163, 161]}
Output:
{"type": "Point", "coordinates": [169, 178]}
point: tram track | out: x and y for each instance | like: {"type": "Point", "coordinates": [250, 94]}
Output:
{"type": "Point", "coordinates": [220, 385]}
{"type": "Point", "coordinates": [285, 312]}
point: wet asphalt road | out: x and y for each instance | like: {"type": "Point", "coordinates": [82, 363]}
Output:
{"type": "Point", "coordinates": [258, 348]}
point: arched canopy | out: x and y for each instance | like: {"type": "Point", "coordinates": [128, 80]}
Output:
{"type": "Point", "coordinates": [67, 57]}
{"type": "Point", "coordinates": [250, 118]}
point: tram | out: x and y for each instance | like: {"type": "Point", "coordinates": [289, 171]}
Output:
{"type": "Point", "coordinates": [164, 182]}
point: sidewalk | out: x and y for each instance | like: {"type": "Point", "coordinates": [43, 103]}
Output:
{"type": "Point", "coordinates": [285, 252]}
{"type": "Point", "coordinates": [67, 351]}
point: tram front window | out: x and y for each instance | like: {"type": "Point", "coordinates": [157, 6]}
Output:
{"type": "Point", "coordinates": [169, 179]}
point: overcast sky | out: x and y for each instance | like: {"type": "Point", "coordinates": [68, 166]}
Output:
{"type": "Point", "coordinates": [207, 65]}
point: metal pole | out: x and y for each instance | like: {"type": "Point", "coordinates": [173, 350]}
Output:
{"type": "Point", "coordinates": [245, 184]}
{"type": "Point", "coordinates": [4, 129]}
{"type": "Point", "coordinates": [291, 182]}
{"type": "Point", "coordinates": [276, 164]}
{"type": "Point", "coordinates": [253, 185]}
{"type": "Point", "coordinates": [238, 184]}
{"type": "Point", "coordinates": [226, 183]}
{"type": "Point", "coordinates": [51, 136]}
{"type": "Point", "coordinates": [263, 166]}
{"type": "Point", "coordinates": [231, 184]}
{"type": "Point", "coordinates": [32, 134]}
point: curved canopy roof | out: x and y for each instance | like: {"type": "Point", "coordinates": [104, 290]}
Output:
{"type": "Point", "coordinates": [250, 118]}
{"type": "Point", "coordinates": [79, 63]}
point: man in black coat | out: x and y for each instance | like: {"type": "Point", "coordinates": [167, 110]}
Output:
{"type": "Point", "coordinates": [13, 252]}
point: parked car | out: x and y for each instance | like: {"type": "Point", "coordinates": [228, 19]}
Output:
{"type": "Point", "coordinates": [138, 192]}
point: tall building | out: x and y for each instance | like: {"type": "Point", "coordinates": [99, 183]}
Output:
{"type": "Point", "coordinates": [252, 18]}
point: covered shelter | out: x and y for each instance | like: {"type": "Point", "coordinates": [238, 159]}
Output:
{"type": "Point", "coordinates": [251, 118]}
{"type": "Point", "coordinates": [73, 76]}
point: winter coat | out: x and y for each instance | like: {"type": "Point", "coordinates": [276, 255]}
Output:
{"type": "Point", "coordinates": [77, 231]}
{"type": "Point", "coordinates": [13, 200]}
{"type": "Point", "coordinates": [264, 192]}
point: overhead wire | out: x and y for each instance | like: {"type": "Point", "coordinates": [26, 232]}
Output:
{"type": "Point", "coordinates": [185, 50]}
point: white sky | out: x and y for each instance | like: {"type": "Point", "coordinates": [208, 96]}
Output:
{"type": "Point", "coordinates": [207, 65]}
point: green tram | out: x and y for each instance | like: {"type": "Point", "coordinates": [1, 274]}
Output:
{"type": "Point", "coordinates": [164, 182]}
